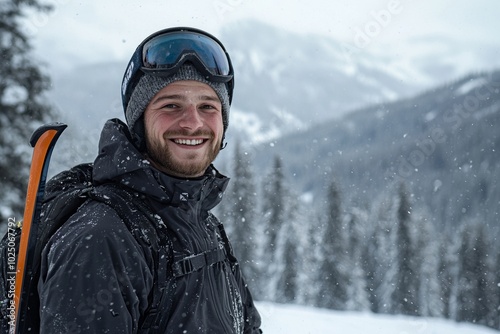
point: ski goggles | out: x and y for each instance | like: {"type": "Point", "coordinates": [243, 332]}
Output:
{"type": "Point", "coordinates": [164, 52]}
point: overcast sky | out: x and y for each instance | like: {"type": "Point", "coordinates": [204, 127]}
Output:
{"type": "Point", "coordinates": [78, 32]}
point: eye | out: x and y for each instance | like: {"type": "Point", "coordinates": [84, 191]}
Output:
{"type": "Point", "coordinates": [170, 106]}
{"type": "Point", "coordinates": [209, 107]}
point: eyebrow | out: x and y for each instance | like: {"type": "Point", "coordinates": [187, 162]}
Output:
{"type": "Point", "coordinates": [160, 98]}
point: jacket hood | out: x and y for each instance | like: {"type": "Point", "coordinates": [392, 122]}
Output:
{"type": "Point", "coordinates": [119, 161]}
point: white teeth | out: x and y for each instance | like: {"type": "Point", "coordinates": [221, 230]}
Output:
{"type": "Point", "coordinates": [190, 142]}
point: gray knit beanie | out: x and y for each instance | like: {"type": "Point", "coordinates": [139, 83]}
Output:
{"type": "Point", "coordinates": [149, 85]}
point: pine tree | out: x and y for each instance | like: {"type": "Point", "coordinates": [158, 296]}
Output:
{"type": "Point", "coordinates": [448, 274]}
{"type": "Point", "coordinates": [283, 248]}
{"type": "Point", "coordinates": [427, 262]}
{"type": "Point", "coordinates": [273, 205]}
{"type": "Point", "coordinates": [494, 319]}
{"type": "Point", "coordinates": [473, 285]}
{"type": "Point", "coordinates": [382, 258]}
{"type": "Point", "coordinates": [273, 209]}
{"type": "Point", "coordinates": [242, 213]}
{"type": "Point", "coordinates": [493, 287]}
{"type": "Point", "coordinates": [22, 85]}
{"type": "Point", "coordinates": [357, 296]}
{"type": "Point", "coordinates": [405, 296]}
{"type": "Point", "coordinates": [370, 267]}
{"type": "Point", "coordinates": [311, 255]}
{"type": "Point", "coordinates": [287, 284]}
{"type": "Point", "coordinates": [333, 279]}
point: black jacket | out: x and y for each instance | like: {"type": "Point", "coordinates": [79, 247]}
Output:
{"type": "Point", "coordinates": [97, 278]}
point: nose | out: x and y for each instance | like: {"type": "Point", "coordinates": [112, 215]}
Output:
{"type": "Point", "coordinates": [191, 119]}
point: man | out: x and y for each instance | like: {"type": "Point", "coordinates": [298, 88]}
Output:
{"type": "Point", "coordinates": [96, 276]}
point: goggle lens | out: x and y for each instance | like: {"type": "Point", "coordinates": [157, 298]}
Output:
{"type": "Point", "coordinates": [166, 51]}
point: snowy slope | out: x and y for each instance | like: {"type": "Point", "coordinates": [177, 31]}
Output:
{"type": "Point", "coordinates": [291, 319]}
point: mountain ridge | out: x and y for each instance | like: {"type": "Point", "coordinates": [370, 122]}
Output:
{"type": "Point", "coordinates": [441, 142]}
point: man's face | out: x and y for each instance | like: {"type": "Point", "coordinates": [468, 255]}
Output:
{"type": "Point", "coordinates": [183, 124]}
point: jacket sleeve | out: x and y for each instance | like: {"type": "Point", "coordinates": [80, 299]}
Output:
{"type": "Point", "coordinates": [94, 276]}
{"type": "Point", "coordinates": [251, 315]}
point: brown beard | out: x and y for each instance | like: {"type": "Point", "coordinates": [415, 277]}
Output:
{"type": "Point", "coordinates": [162, 157]}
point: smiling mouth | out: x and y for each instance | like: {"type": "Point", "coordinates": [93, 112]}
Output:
{"type": "Point", "coordinates": [189, 142]}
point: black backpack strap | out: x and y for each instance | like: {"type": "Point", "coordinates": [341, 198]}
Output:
{"type": "Point", "coordinates": [193, 263]}
{"type": "Point", "coordinates": [149, 228]}
{"type": "Point", "coordinates": [225, 240]}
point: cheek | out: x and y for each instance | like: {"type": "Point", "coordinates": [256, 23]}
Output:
{"type": "Point", "coordinates": [156, 125]}
{"type": "Point", "coordinates": [221, 132]}
{"type": "Point", "coordinates": [217, 126]}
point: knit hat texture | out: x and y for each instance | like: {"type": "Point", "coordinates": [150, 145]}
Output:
{"type": "Point", "coordinates": [149, 85]}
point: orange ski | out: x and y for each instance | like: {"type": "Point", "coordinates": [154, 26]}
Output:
{"type": "Point", "coordinates": [43, 141]}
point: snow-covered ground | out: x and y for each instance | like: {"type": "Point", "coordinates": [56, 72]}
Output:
{"type": "Point", "coordinates": [292, 319]}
